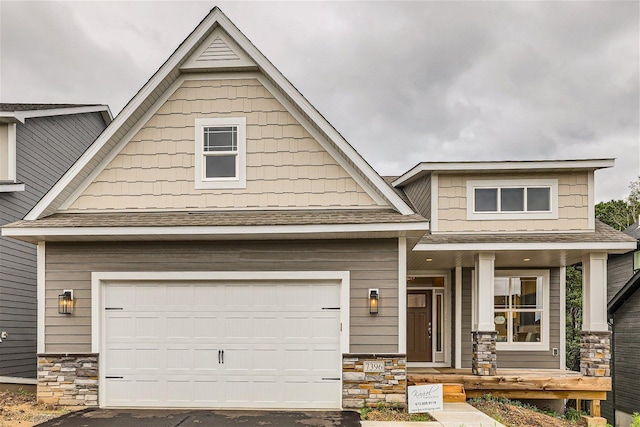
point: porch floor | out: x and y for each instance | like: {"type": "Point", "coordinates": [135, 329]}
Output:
{"type": "Point", "coordinates": [518, 383]}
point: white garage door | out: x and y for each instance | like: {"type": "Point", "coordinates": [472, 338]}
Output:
{"type": "Point", "coordinates": [221, 345]}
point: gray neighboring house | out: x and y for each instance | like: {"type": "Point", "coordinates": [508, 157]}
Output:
{"type": "Point", "coordinates": [624, 313]}
{"type": "Point", "coordinates": [38, 144]}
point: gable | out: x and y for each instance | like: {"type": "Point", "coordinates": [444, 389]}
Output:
{"type": "Point", "coordinates": [285, 166]}
{"type": "Point", "coordinates": [137, 113]}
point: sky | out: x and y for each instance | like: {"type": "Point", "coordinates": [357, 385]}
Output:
{"type": "Point", "coordinates": [403, 82]}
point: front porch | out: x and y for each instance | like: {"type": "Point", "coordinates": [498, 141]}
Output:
{"type": "Point", "coordinates": [519, 383]}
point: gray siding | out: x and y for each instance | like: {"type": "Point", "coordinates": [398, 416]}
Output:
{"type": "Point", "coordinates": [626, 347]}
{"type": "Point", "coordinates": [516, 359]}
{"type": "Point", "coordinates": [372, 264]}
{"type": "Point", "coordinates": [46, 148]}
{"type": "Point", "coordinates": [619, 271]}
{"type": "Point", "coordinates": [419, 193]}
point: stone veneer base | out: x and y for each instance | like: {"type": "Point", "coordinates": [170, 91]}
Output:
{"type": "Point", "coordinates": [595, 353]}
{"type": "Point", "coordinates": [370, 389]}
{"type": "Point", "coordinates": [68, 379]}
{"type": "Point", "coordinates": [485, 359]}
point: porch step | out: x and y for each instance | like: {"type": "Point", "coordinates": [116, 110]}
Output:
{"type": "Point", "coordinates": [451, 392]}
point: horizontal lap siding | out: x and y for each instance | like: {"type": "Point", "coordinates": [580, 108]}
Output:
{"type": "Point", "coordinates": [626, 350]}
{"type": "Point", "coordinates": [45, 148]}
{"type": "Point", "coordinates": [372, 264]}
{"type": "Point", "coordinates": [419, 193]}
{"type": "Point", "coordinates": [517, 359]}
{"type": "Point", "coordinates": [619, 271]}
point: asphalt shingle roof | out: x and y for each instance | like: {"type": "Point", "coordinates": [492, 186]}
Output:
{"type": "Point", "coordinates": [34, 107]}
{"type": "Point", "coordinates": [633, 230]}
{"type": "Point", "coordinates": [603, 233]}
{"type": "Point", "coordinates": [221, 218]}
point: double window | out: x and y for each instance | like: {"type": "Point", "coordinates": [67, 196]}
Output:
{"type": "Point", "coordinates": [507, 199]}
{"type": "Point", "coordinates": [521, 309]}
{"type": "Point", "coordinates": [220, 153]}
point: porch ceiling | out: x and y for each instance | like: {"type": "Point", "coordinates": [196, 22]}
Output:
{"type": "Point", "coordinates": [446, 260]}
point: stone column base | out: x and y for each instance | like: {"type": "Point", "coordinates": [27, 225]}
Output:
{"type": "Point", "coordinates": [485, 360]}
{"type": "Point", "coordinates": [68, 379]}
{"type": "Point", "coordinates": [372, 380]}
{"type": "Point", "coordinates": [595, 353]}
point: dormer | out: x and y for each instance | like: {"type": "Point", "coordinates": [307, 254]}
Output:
{"type": "Point", "coordinates": [505, 196]}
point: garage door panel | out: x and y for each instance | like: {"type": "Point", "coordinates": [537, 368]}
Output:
{"type": "Point", "coordinates": [207, 327]}
{"type": "Point", "coordinates": [273, 343]}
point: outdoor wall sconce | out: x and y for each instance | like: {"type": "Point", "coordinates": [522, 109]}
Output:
{"type": "Point", "coordinates": [65, 302]}
{"type": "Point", "coordinates": [373, 301]}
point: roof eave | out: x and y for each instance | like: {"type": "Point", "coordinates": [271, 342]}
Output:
{"type": "Point", "coordinates": [270, 232]}
{"type": "Point", "coordinates": [503, 166]}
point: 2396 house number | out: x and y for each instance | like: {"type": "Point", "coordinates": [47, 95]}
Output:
{"type": "Point", "coordinates": [372, 366]}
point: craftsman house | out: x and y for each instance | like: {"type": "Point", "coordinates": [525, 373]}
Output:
{"type": "Point", "coordinates": [221, 245]}
{"type": "Point", "coordinates": [38, 143]}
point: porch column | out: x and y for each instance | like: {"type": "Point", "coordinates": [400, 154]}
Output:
{"type": "Point", "coordinates": [484, 334]}
{"type": "Point", "coordinates": [595, 338]}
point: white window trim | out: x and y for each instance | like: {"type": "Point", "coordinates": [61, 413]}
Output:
{"type": "Point", "coordinates": [543, 345]}
{"type": "Point", "coordinates": [240, 181]}
{"type": "Point", "coordinates": [511, 183]}
{"type": "Point", "coordinates": [8, 160]}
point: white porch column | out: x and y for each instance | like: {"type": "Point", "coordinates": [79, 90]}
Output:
{"type": "Point", "coordinates": [485, 360]}
{"type": "Point", "coordinates": [594, 292]}
{"type": "Point", "coordinates": [595, 338]}
{"type": "Point", "coordinates": [484, 291]}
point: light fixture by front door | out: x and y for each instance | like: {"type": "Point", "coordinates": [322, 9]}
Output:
{"type": "Point", "coordinates": [65, 302]}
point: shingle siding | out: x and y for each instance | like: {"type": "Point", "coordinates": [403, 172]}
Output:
{"type": "Point", "coordinates": [285, 165]}
{"type": "Point", "coordinates": [46, 147]}
{"type": "Point", "coordinates": [626, 348]}
{"type": "Point", "coordinates": [619, 271]}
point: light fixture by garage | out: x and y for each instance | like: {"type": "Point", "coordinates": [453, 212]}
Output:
{"type": "Point", "coordinates": [374, 295]}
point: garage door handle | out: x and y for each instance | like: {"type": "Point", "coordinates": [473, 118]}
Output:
{"type": "Point", "coordinates": [331, 379]}
{"type": "Point", "coordinates": [113, 378]}
{"type": "Point", "coordinates": [219, 357]}
{"type": "Point", "coordinates": [223, 357]}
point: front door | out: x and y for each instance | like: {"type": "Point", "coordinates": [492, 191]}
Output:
{"type": "Point", "coordinates": [419, 327]}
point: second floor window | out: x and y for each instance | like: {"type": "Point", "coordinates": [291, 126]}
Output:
{"type": "Point", "coordinates": [220, 153]}
{"type": "Point", "coordinates": [512, 199]}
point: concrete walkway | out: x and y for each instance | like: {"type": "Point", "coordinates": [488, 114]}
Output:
{"type": "Point", "coordinates": [454, 415]}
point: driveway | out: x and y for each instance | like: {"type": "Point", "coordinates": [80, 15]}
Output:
{"type": "Point", "coordinates": [199, 418]}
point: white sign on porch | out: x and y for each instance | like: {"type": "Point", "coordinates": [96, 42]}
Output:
{"type": "Point", "coordinates": [425, 398]}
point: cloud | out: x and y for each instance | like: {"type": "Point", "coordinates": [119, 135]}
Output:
{"type": "Point", "coordinates": [403, 81]}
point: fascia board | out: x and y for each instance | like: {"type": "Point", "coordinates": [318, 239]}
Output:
{"type": "Point", "coordinates": [533, 165]}
{"type": "Point", "coordinates": [524, 246]}
{"type": "Point", "coordinates": [211, 230]}
{"type": "Point", "coordinates": [22, 115]}
{"type": "Point", "coordinates": [9, 117]}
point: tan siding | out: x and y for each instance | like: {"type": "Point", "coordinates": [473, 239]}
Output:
{"type": "Point", "coordinates": [516, 359]}
{"type": "Point", "coordinates": [286, 167]}
{"type": "Point", "coordinates": [372, 264]}
{"type": "Point", "coordinates": [573, 205]}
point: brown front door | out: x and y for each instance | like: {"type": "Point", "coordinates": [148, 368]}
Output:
{"type": "Point", "coordinates": [419, 328]}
